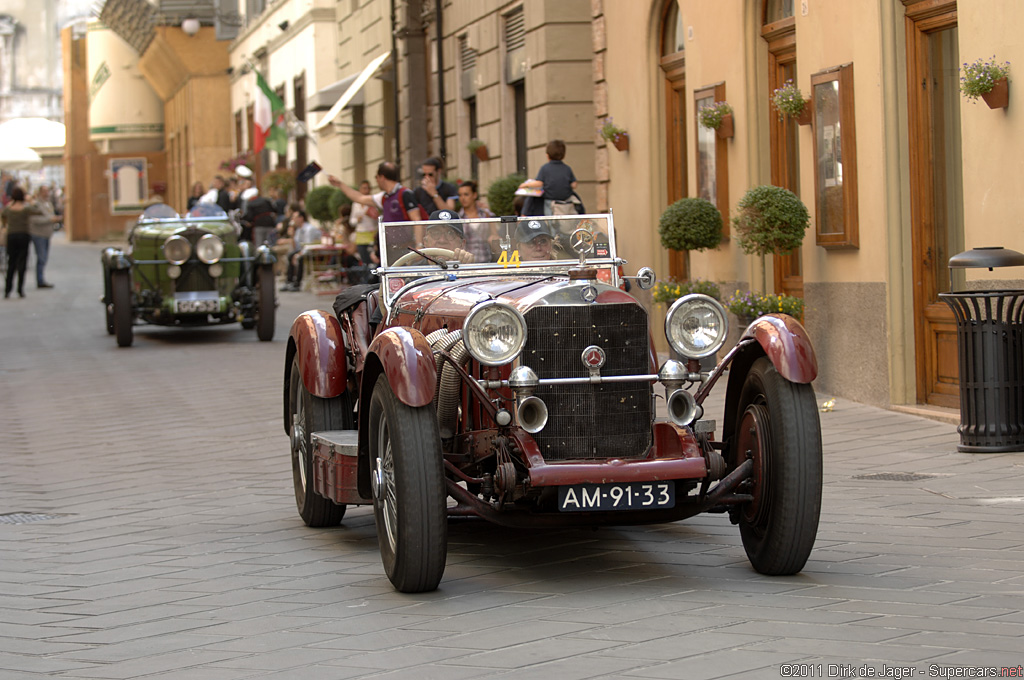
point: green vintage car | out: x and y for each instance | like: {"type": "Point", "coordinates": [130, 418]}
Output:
{"type": "Point", "coordinates": [188, 270]}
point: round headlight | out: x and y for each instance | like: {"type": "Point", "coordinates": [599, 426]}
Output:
{"type": "Point", "coordinates": [174, 271]}
{"type": "Point", "coordinates": [209, 249]}
{"type": "Point", "coordinates": [177, 249]}
{"type": "Point", "coordinates": [494, 333]}
{"type": "Point", "coordinates": [696, 326]}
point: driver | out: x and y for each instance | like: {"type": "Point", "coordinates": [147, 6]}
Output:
{"type": "Point", "coordinates": [535, 241]}
{"type": "Point", "coordinates": [448, 235]}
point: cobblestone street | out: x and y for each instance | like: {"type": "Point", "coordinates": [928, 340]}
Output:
{"type": "Point", "coordinates": [162, 540]}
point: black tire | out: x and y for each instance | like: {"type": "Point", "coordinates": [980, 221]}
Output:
{"type": "Point", "coordinates": [108, 306]}
{"type": "Point", "coordinates": [265, 310]}
{"type": "Point", "coordinates": [409, 499]}
{"type": "Point", "coordinates": [778, 428]}
{"type": "Point", "coordinates": [313, 414]}
{"type": "Point", "coordinates": [121, 297]}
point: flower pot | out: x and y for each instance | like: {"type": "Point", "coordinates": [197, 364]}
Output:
{"type": "Point", "coordinates": [805, 116]}
{"type": "Point", "coordinates": [621, 142]}
{"type": "Point", "coordinates": [999, 96]}
{"type": "Point", "coordinates": [481, 153]}
{"type": "Point", "coordinates": [725, 128]}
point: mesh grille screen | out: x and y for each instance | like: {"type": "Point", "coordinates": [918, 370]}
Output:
{"type": "Point", "coordinates": [591, 421]}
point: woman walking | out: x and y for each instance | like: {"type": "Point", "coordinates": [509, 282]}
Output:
{"type": "Point", "coordinates": [16, 218]}
{"type": "Point", "coordinates": [478, 236]}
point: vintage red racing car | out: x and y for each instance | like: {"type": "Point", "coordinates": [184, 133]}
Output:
{"type": "Point", "coordinates": [522, 385]}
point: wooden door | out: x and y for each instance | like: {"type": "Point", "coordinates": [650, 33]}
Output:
{"type": "Point", "coordinates": [936, 188]}
{"type": "Point", "coordinates": [675, 142]}
{"type": "Point", "coordinates": [785, 149]}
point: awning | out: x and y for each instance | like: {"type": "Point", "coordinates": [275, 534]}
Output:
{"type": "Point", "coordinates": [36, 133]}
{"type": "Point", "coordinates": [353, 89]}
{"type": "Point", "coordinates": [325, 98]}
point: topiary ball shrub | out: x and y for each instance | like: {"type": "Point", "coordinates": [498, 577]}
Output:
{"type": "Point", "coordinates": [502, 193]}
{"type": "Point", "coordinates": [318, 203]}
{"type": "Point", "coordinates": [336, 200]}
{"type": "Point", "coordinates": [690, 224]}
{"type": "Point", "coordinates": [770, 220]}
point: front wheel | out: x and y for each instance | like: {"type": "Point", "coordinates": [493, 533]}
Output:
{"type": "Point", "coordinates": [778, 429]}
{"type": "Point", "coordinates": [312, 414]}
{"type": "Point", "coordinates": [265, 303]}
{"type": "Point", "coordinates": [409, 498]}
{"type": "Point", "coordinates": [121, 299]}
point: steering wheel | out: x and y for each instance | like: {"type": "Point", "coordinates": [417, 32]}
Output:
{"type": "Point", "coordinates": [439, 253]}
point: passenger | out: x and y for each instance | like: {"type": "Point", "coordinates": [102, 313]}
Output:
{"type": "Point", "coordinates": [535, 241]}
{"type": "Point", "coordinates": [448, 235]}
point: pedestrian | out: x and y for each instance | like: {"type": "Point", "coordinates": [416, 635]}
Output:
{"type": "Point", "coordinates": [15, 218]}
{"type": "Point", "coordinates": [306, 234]}
{"type": "Point", "coordinates": [478, 235]}
{"type": "Point", "coordinates": [223, 196]}
{"type": "Point", "coordinates": [395, 202]}
{"type": "Point", "coordinates": [364, 220]}
{"type": "Point", "coordinates": [259, 216]}
{"type": "Point", "coordinates": [197, 193]}
{"type": "Point", "coordinates": [433, 192]}
{"type": "Point", "coordinates": [555, 178]}
{"type": "Point", "coordinates": [41, 231]}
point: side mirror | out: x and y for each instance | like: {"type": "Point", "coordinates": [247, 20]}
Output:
{"type": "Point", "coordinates": [644, 278]}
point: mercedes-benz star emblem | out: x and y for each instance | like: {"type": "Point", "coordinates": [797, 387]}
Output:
{"type": "Point", "coordinates": [593, 357]}
{"type": "Point", "coordinates": [588, 293]}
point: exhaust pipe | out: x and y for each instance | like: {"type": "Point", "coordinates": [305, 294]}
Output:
{"type": "Point", "coordinates": [532, 414]}
{"type": "Point", "coordinates": [682, 408]}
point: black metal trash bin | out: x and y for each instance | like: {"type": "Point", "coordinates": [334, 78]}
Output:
{"type": "Point", "coordinates": [990, 340]}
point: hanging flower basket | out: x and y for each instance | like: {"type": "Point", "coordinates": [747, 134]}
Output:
{"type": "Point", "coordinates": [999, 96]}
{"type": "Point", "coordinates": [611, 132]}
{"type": "Point", "coordinates": [479, 149]}
{"type": "Point", "coordinates": [806, 115]}
{"type": "Point", "coordinates": [725, 129]}
{"type": "Point", "coordinates": [621, 142]}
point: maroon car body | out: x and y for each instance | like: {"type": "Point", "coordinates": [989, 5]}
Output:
{"type": "Point", "coordinates": [526, 393]}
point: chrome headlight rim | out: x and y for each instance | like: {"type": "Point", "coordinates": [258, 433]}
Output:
{"type": "Point", "coordinates": [469, 339]}
{"type": "Point", "coordinates": [213, 242]}
{"type": "Point", "coordinates": [677, 314]}
{"type": "Point", "coordinates": [177, 249]}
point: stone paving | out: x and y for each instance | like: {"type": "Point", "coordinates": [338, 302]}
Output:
{"type": "Point", "coordinates": [169, 545]}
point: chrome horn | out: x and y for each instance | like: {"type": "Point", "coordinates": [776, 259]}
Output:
{"type": "Point", "coordinates": [532, 414]}
{"type": "Point", "coordinates": [682, 408]}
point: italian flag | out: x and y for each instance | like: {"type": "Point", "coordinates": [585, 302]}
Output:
{"type": "Point", "coordinates": [268, 120]}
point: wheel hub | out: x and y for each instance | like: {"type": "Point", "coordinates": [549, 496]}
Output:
{"type": "Point", "coordinates": [377, 479]}
{"type": "Point", "coordinates": [754, 442]}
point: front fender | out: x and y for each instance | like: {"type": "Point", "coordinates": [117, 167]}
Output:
{"type": "Point", "coordinates": [786, 344]}
{"type": "Point", "coordinates": [115, 259]}
{"type": "Point", "coordinates": [316, 339]}
{"type": "Point", "coordinates": [408, 362]}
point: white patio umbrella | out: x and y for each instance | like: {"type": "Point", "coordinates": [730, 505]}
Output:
{"type": "Point", "coordinates": [18, 157]}
{"type": "Point", "coordinates": [45, 136]}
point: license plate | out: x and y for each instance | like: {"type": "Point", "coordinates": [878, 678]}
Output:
{"type": "Point", "coordinates": [196, 302]}
{"type": "Point", "coordinates": [625, 496]}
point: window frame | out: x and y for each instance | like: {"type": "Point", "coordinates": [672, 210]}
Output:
{"type": "Point", "coordinates": [849, 235]}
{"type": "Point", "coordinates": [714, 93]}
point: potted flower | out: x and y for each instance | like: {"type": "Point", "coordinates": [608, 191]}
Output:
{"type": "Point", "coordinates": [611, 132]}
{"type": "Point", "coordinates": [789, 101]}
{"type": "Point", "coordinates": [281, 180]}
{"type": "Point", "coordinates": [478, 148]}
{"type": "Point", "coordinates": [750, 305]}
{"type": "Point", "coordinates": [690, 224]}
{"type": "Point", "coordinates": [667, 292]}
{"type": "Point", "coordinates": [717, 117]}
{"type": "Point", "coordinates": [770, 220]}
{"type": "Point", "coordinates": [988, 80]}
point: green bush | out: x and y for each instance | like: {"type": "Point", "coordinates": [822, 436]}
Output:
{"type": "Point", "coordinates": [690, 224]}
{"type": "Point", "coordinates": [502, 193]}
{"type": "Point", "coordinates": [670, 291]}
{"type": "Point", "coordinates": [318, 203]}
{"type": "Point", "coordinates": [337, 199]}
{"type": "Point", "coordinates": [770, 220]}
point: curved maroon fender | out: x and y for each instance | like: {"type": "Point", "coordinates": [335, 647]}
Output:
{"type": "Point", "coordinates": [408, 363]}
{"type": "Point", "coordinates": [320, 346]}
{"type": "Point", "coordinates": [785, 341]}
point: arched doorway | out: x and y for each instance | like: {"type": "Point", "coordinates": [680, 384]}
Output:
{"type": "Point", "coordinates": [778, 28]}
{"type": "Point", "coordinates": [673, 65]}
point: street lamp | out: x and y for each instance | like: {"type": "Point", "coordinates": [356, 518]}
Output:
{"type": "Point", "coordinates": [190, 25]}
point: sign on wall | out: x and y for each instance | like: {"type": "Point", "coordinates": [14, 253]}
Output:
{"type": "Point", "coordinates": [128, 185]}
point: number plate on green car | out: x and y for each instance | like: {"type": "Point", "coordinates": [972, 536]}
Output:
{"type": "Point", "coordinates": [195, 302]}
{"type": "Point", "coordinates": [624, 496]}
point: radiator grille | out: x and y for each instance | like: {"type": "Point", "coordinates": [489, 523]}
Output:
{"type": "Point", "coordinates": [591, 421]}
{"type": "Point", "coordinates": [194, 277]}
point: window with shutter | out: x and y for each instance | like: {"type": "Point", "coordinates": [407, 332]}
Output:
{"type": "Point", "coordinates": [515, 46]}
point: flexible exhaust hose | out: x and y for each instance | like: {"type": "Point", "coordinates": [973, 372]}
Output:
{"type": "Point", "coordinates": [448, 394]}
